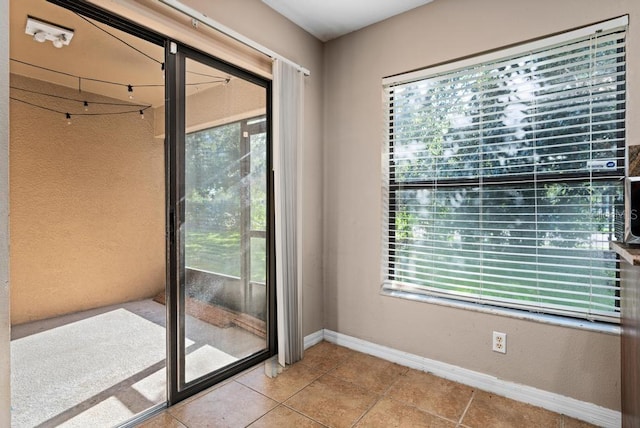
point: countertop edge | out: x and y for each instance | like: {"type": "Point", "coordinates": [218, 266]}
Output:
{"type": "Point", "coordinates": [630, 254]}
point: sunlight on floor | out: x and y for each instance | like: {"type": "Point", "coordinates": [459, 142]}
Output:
{"type": "Point", "coordinates": [67, 366]}
{"type": "Point", "coordinates": [102, 367]}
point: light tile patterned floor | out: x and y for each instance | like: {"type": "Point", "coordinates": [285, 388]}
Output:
{"type": "Point", "coordinates": [337, 387]}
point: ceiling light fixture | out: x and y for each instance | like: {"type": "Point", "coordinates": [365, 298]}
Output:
{"type": "Point", "coordinates": [43, 31]}
{"type": "Point", "coordinates": [40, 37]}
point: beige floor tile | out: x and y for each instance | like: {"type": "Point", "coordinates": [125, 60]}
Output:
{"type": "Point", "coordinates": [337, 387]}
{"type": "Point", "coordinates": [432, 394]}
{"type": "Point", "coordinates": [282, 387]}
{"type": "Point", "coordinates": [325, 356]}
{"type": "Point", "coordinates": [332, 402]}
{"type": "Point", "coordinates": [283, 416]}
{"type": "Point", "coordinates": [575, 423]}
{"type": "Point", "coordinates": [388, 413]}
{"type": "Point", "coordinates": [488, 410]}
{"type": "Point", "coordinates": [163, 420]}
{"type": "Point", "coordinates": [232, 405]}
{"type": "Point", "coordinates": [371, 373]}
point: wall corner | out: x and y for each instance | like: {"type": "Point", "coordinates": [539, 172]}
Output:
{"type": "Point", "coordinates": [5, 327]}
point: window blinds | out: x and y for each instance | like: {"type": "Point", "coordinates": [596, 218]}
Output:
{"type": "Point", "coordinates": [502, 176]}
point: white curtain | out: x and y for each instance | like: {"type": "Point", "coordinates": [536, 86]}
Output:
{"type": "Point", "coordinates": [288, 97]}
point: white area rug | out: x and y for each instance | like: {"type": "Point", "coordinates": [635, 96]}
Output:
{"type": "Point", "coordinates": [60, 368]}
{"type": "Point", "coordinates": [200, 362]}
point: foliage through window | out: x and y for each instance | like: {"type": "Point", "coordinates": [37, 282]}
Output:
{"type": "Point", "coordinates": [503, 176]}
{"type": "Point", "coordinates": [227, 198]}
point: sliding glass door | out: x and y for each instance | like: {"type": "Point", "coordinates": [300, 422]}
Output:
{"type": "Point", "coordinates": [221, 201]}
{"type": "Point", "coordinates": [214, 239]}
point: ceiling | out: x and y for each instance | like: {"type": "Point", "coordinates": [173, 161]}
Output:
{"type": "Point", "coordinates": [96, 53]}
{"type": "Point", "coordinates": [92, 53]}
{"type": "Point", "coordinates": [329, 19]}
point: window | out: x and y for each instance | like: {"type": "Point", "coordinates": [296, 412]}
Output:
{"type": "Point", "coordinates": [502, 176]}
{"type": "Point", "coordinates": [227, 199]}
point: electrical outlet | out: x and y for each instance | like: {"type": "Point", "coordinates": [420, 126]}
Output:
{"type": "Point", "coordinates": [500, 342]}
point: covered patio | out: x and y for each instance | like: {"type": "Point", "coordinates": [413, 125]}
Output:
{"type": "Point", "coordinates": [103, 366]}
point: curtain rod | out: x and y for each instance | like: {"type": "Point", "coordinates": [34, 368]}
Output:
{"type": "Point", "coordinates": [198, 16]}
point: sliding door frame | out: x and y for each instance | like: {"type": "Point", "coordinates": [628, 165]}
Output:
{"type": "Point", "coordinates": [175, 55]}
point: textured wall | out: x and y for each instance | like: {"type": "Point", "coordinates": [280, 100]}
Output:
{"type": "Point", "coordinates": [218, 105]}
{"type": "Point", "coordinates": [5, 329]}
{"type": "Point", "coordinates": [575, 363]}
{"type": "Point", "coordinates": [87, 208]}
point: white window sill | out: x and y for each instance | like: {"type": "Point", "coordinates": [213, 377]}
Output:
{"type": "Point", "coordinates": [596, 326]}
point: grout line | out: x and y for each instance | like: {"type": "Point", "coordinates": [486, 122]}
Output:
{"type": "Point", "coordinates": [380, 396]}
{"type": "Point", "coordinates": [303, 414]}
{"type": "Point", "coordinates": [466, 409]}
{"type": "Point", "coordinates": [367, 410]}
{"type": "Point", "coordinates": [181, 422]}
{"type": "Point", "coordinates": [261, 416]}
{"type": "Point", "coordinates": [256, 391]}
{"type": "Point", "coordinates": [412, 405]}
{"type": "Point", "coordinates": [286, 399]}
{"type": "Point", "coordinates": [265, 396]}
{"type": "Point", "coordinates": [386, 391]}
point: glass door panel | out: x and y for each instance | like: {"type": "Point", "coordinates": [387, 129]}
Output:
{"type": "Point", "coordinates": [223, 298]}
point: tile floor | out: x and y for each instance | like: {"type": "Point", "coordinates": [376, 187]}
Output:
{"type": "Point", "coordinates": [337, 387]}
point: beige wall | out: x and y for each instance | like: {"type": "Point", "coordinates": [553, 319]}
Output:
{"type": "Point", "coordinates": [5, 322]}
{"type": "Point", "coordinates": [237, 100]}
{"type": "Point", "coordinates": [87, 207]}
{"type": "Point", "coordinates": [575, 363]}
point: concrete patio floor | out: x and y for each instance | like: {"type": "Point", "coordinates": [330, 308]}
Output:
{"type": "Point", "coordinates": [101, 367]}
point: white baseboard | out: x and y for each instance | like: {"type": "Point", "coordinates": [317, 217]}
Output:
{"type": "Point", "coordinates": [313, 339]}
{"type": "Point", "coordinates": [587, 412]}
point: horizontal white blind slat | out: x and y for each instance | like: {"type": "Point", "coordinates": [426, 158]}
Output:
{"type": "Point", "coordinates": [600, 71]}
{"type": "Point", "coordinates": [537, 137]}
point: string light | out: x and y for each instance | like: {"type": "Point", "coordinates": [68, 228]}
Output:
{"type": "Point", "coordinates": [68, 115]}
{"type": "Point", "coordinates": [162, 65]}
{"type": "Point", "coordinates": [122, 108]}
{"type": "Point", "coordinates": [213, 79]}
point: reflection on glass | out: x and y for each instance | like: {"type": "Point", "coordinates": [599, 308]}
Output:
{"type": "Point", "coordinates": [212, 190]}
{"type": "Point", "coordinates": [225, 221]}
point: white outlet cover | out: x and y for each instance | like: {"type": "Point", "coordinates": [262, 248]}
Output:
{"type": "Point", "coordinates": [499, 343]}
